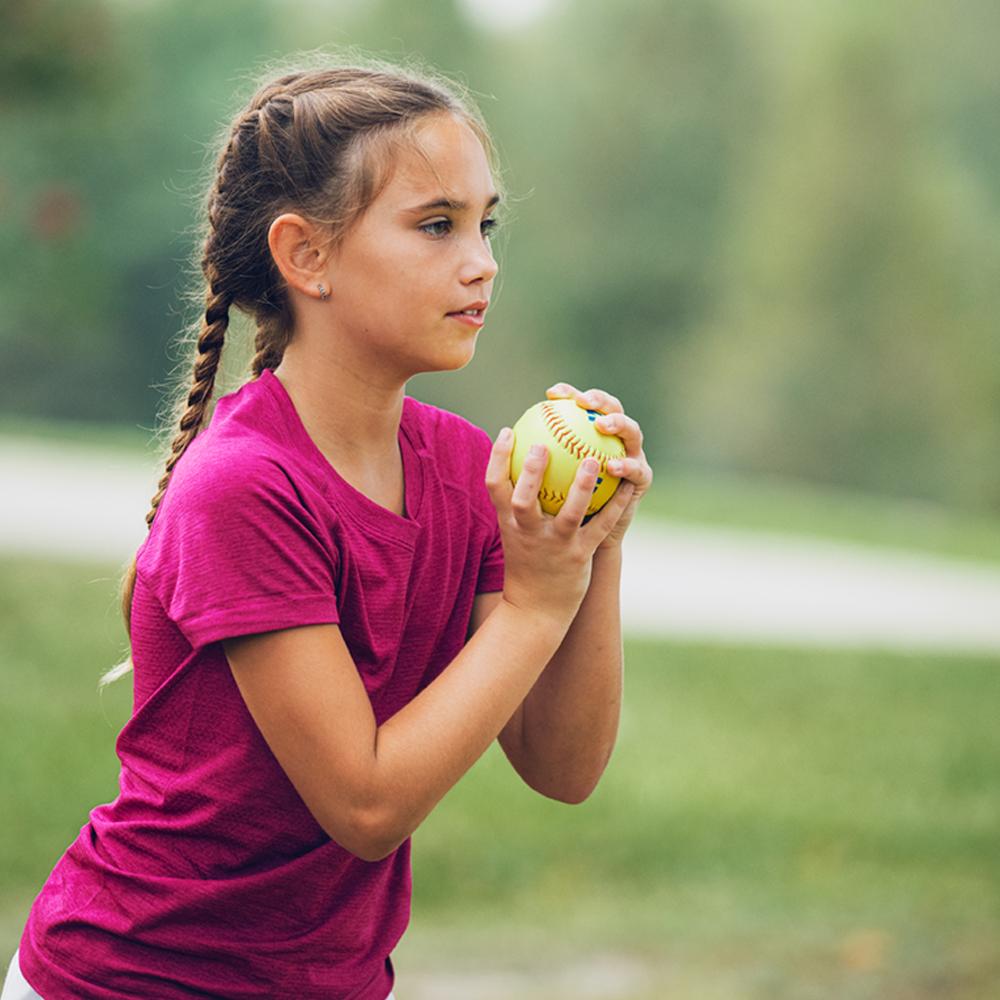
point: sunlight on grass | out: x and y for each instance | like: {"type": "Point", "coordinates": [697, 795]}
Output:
{"type": "Point", "coordinates": [770, 818]}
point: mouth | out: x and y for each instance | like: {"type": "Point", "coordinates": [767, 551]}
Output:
{"type": "Point", "coordinates": [472, 317]}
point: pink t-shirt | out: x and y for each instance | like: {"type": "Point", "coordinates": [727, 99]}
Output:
{"type": "Point", "coordinates": [207, 875]}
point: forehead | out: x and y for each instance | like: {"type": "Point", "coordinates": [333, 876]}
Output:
{"type": "Point", "coordinates": [444, 158]}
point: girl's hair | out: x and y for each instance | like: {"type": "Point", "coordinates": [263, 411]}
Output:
{"type": "Point", "coordinates": [319, 137]}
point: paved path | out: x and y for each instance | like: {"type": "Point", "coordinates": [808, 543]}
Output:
{"type": "Point", "coordinates": [679, 580]}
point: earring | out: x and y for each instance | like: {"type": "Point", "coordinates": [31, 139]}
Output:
{"type": "Point", "coordinates": [323, 293]}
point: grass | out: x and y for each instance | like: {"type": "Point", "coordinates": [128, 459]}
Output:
{"type": "Point", "coordinates": [773, 824]}
{"type": "Point", "coordinates": [104, 436]}
{"type": "Point", "coordinates": [773, 504]}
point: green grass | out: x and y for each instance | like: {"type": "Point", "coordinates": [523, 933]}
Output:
{"type": "Point", "coordinates": [112, 436]}
{"type": "Point", "coordinates": [771, 504]}
{"type": "Point", "coordinates": [773, 823]}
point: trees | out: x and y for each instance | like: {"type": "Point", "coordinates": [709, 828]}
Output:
{"type": "Point", "coordinates": [771, 229]}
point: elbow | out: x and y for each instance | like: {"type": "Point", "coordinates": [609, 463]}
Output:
{"type": "Point", "coordinates": [570, 794]}
{"type": "Point", "coordinates": [560, 784]}
{"type": "Point", "coordinates": [575, 796]}
{"type": "Point", "coordinates": [573, 790]}
{"type": "Point", "coordinates": [371, 850]}
{"type": "Point", "coordinates": [365, 834]}
{"type": "Point", "coordinates": [379, 850]}
{"type": "Point", "coordinates": [572, 784]}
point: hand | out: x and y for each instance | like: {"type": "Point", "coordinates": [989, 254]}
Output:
{"type": "Point", "coordinates": [548, 558]}
{"type": "Point", "coordinates": [633, 468]}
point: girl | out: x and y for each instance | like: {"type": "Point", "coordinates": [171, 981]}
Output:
{"type": "Point", "coordinates": [341, 601]}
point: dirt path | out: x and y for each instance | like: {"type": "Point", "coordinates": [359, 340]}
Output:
{"type": "Point", "coordinates": [679, 580]}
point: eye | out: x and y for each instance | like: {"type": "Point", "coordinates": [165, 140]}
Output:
{"type": "Point", "coordinates": [428, 226]}
{"type": "Point", "coordinates": [488, 226]}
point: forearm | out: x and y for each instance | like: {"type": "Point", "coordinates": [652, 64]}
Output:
{"type": "Point", "coordinates": [571, 715]}
{"type": "Point", "coordinates": [426, 747]}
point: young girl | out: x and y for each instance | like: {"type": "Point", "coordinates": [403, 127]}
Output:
{"type": "Point", "coordinates": [342, 600]}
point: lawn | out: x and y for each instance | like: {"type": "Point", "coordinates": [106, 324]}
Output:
{"type": "Point", "coordinates": [773, 823]}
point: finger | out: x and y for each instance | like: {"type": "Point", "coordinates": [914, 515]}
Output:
{"type": "Point", "coordinates": [561, 390]}
{"type": "Point", "coordinates": [581, 490]}
{"type": "Point", "coordinates": [598, 399]}
{"type": "Point", "coordinates": [635, 470]}
{"type": "Point", "coordinates": [624, 427]}
{"type": "Point", "coordinates": [599, 526]}
{"type": "Point", "coordinates": [625, 468]}
{"type": "Point", "coordinates": [524, 500]}
{"type": "Point", "coordinates": [498, 469]}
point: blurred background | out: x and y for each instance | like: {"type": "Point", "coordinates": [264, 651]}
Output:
{"type": "Point", "coordinates": [771, 229]}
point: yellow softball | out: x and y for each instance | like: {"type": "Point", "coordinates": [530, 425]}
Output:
{"type": "Point", "coordinates": [570, 434]}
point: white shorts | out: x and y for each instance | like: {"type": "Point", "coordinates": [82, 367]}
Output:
{"type": "Point", "coordinates": [15, 986]}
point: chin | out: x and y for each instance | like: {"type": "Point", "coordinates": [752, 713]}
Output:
{"type": "Point", "coordinates": [455, 359]}
{"type": "Point", "coordinates": [462, 361]}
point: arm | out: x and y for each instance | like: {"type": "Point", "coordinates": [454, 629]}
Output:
{"type": "Point", "coordinates": [370, 787]}
{"type": "Point", "coordinates": [562, 737]}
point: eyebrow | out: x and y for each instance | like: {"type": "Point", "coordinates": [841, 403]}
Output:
{"type": "Point", "coordinates": [455, 206]}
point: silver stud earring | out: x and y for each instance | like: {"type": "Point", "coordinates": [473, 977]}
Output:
{"type": "Point", "coordinates": [323, 293]}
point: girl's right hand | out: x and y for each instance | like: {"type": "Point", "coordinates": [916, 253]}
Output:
{"type": "Point", "coordinates": [548, 558]}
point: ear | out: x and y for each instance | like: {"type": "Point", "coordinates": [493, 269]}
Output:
{"type": "Point", "coordinates": [299, 251]}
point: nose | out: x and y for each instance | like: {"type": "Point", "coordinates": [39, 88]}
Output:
{"type": "Point", "coordinates": [481, 266]}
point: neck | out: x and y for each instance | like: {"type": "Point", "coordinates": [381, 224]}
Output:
{"type": "Point", "coordinates": [351, 415]}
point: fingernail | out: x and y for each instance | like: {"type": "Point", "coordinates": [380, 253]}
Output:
{"type": "Point", "coordinates": [504, 436]}
{"type": "Point", "coordinates": [590, 465]}
{"type": "Point", "coordinates": [537, 450]}
{"type": "Point", "coordinates": [614, 466]}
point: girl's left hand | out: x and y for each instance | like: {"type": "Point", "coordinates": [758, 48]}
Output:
{"type": "Point", "coordinates": [633, 467]}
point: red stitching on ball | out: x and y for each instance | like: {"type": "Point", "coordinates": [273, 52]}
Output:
{"type": "Point", "coordinates": [565, 435]}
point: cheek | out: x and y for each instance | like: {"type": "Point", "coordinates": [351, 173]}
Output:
{"type": "Point", "coordinates": [397, 285]}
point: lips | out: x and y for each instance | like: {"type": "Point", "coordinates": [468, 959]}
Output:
{"type": "Point", "coordinates": [472, 319]}
{"type": "Point", "coordinates": [479, 307]}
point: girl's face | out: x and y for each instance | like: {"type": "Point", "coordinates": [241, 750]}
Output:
{"type": "Point", "coordinates": [407, 263]}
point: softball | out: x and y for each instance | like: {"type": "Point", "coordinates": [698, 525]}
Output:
{"type": "Point", "coordinates": [569, 432]}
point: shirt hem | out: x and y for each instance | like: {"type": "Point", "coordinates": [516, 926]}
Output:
{"type": "Point", "coordinates": [37, 971]}
{"type": "Point", "coordinates": [247, 618]}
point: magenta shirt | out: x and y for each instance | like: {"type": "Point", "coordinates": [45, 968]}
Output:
{"type": "Point", "coordinates": [207, 875]}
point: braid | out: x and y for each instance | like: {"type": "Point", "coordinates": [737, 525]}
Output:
{"type": "Point", "coordinates": [210, 344]}
{"type": "Point", "coordinates": [214, 323]}
{"type": "Point", "coordinates": [272, 338]}
{"type": "Point", "coordinates": [208, 354]}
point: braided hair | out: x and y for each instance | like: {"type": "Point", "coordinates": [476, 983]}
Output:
{"type": "Point", "coordinates": [320, 141]}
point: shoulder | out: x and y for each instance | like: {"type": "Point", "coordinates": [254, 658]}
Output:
{"type": "Point", "coordinates": [226, 504]}
{"type": "Point", "coordinates": [217, 473]}
{"type": "Point", "coordinates": [247, 447]}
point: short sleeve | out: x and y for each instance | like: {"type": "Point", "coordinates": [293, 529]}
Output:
{"type": "Point", "coordinates": [490, 576]}
{"type": "Point", "coordinates": [491, 567]}
{"type": "Point", "coordinates": [239, 553]}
